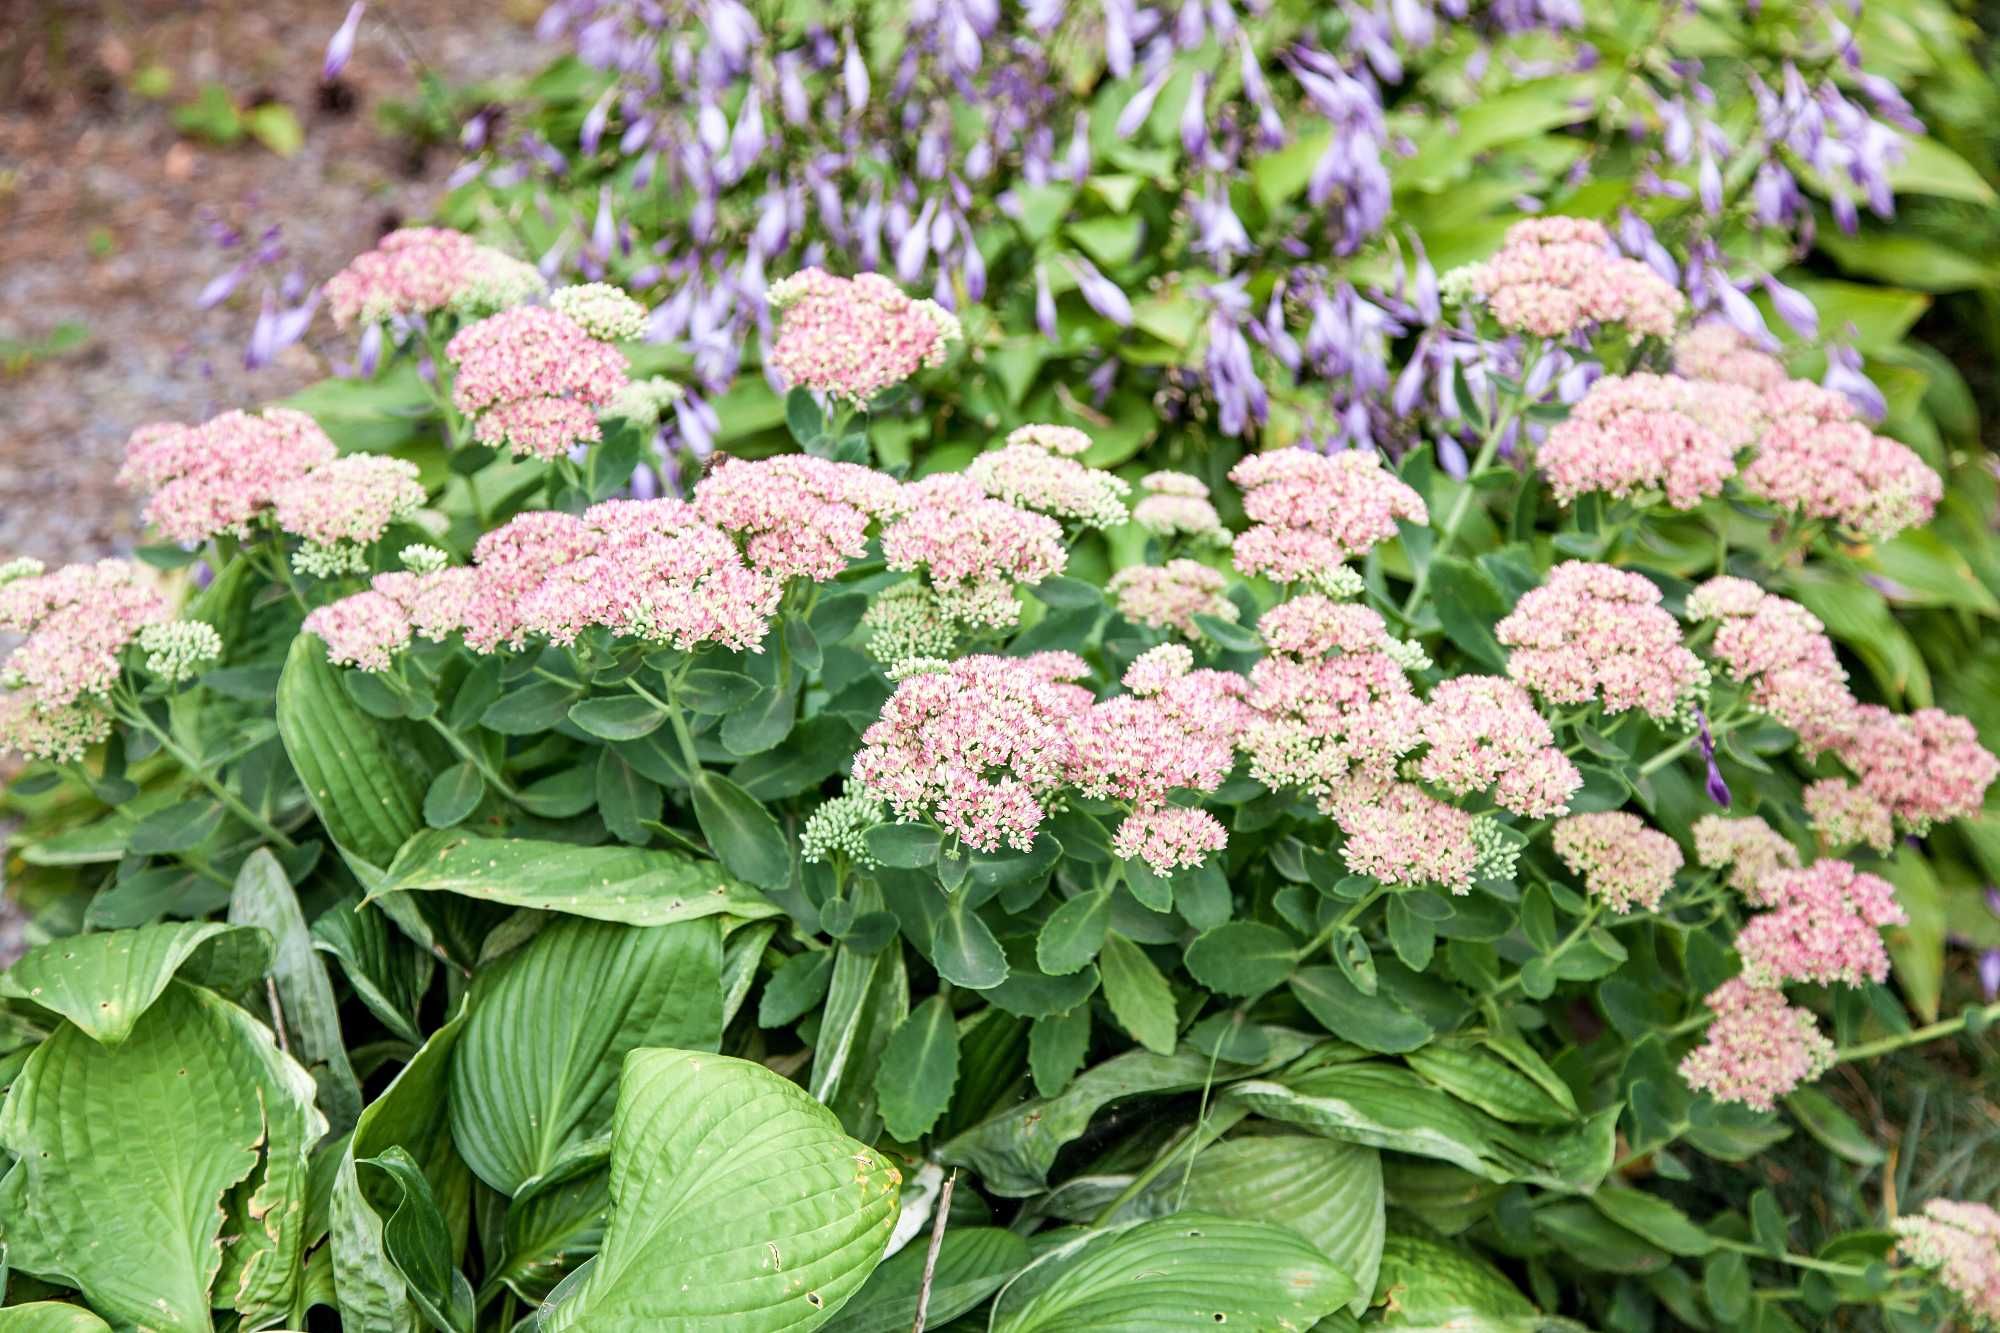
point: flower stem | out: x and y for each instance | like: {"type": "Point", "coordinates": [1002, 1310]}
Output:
{"type": "Point", "coordinates": [1448, 530]}
{"type": "Point", "coordinates": [230, 801]}
{"type": "Point", "coordinates": [1944, 1028]}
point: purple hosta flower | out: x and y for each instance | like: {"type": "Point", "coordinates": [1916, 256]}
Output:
{"type": "Point", "coordinates": [1845, 376]}
{"type": "Point", "coordinates": [914, 247]}
{"type": "Point", "coordinates": [1140, 105]}
{"type": "Point", "coordinates": [1102, 379]}
{"type": "Point", "coordinates": [1794, 307]}
{"type": "Point", "coordinates": [1275, 337]}
{"type": "Point", "coordinates": [1349, 174]}
{"type": "Point", "coordinates": [1989, 974]}
{"type": "Point", "coordinates": [594, 120]}
{"type": "Point", "coordinates": [341, 46]}
{"type": "Point", "coordinates": [1348, 340]}
{"type": "Point", "coordinates": [1219, 233]}
{"type": "Point", "coordinates": [368, 356]}
{"type": "Point", "coordinates": [1045, 304]}
{"type": "Point", "coordinates": [220, 286]}
{"type": "Point", "coordinates": [1741, 311]}
{"type": "Point", "coordinates": [1194, 120]}
{"type": "Point", "coordinates": [1101, 293]}
{"type": "Point", "coordinates": [1121, 17]}
{"type": "Point", "coordinates": [1718, 790]}
{"type": "Point", "coordinates": [1775, 196]}
{"type": "Point", "coordinates": [746, 140]}
{"type": "Point", "coordinates": [604, 228]}
{"type": "Point", "coordinates": [277, 328]}
{"type": "Point", "coordinates": [854, 78]}
{"type": "Point", "coordinates": [732, 31]}
{"type": "Point", "coordinates": [1451, 458]}
{"type": "Point", "coordinates": [1239, 395]}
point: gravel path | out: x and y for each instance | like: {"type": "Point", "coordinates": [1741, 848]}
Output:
{"type": "Point", "coordinates": [107, 216]}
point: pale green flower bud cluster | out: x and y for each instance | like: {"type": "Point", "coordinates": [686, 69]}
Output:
{"type": "Point", "coordinates": [839, 828]}
{"type": "Point", "coordinates": [602, 311]}
{"type": "Point", "coordinates": [178, 650]}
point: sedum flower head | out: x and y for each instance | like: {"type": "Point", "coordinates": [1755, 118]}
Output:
{"type": "Point", "coordinates": [906, 623]}
{"type": "Point", "coordinates": [1758, 1048]}
{"type": "Point", "coordinates": [77, 622]}
{"type": "Point", "coordinates": [422, 271]}
{"type": "Point", "coordinates": [1398, 833]}
{"type": "Point", "coordinates": [1960, 1243]}
{"type": "Point", "coordinates": [349, 501]}
{"type": "Point", "coordinates": [420, 558]}
{"type": "Point", "coordinates": [177, 650]}
{"type": "Point", "coordinates": [1925, 768]}
{"type": "Point", "coordinates": [1781, 652]}
{"type": "Point", "coordinates": [1177, 505]}
{"type": "Point", "coordinates": [799, 516]}
{"type": "Point", "coordinates": [1824, 927]}
{"type": "Point", "coordinates": [1484, 732]}
{"type": "Point", "coordinates": [1592, 632]}
{"type": "Point", "coordinates": [218, 477]}
{"type": "Point", "coordinates": [1554, 276]}
{"type": "Point", "coordinates": [20, 567]}
{"type": "Point", "coordinates": [1170, 596]}
{"type": "Point", "coordinates": [1748, 847]}
{"type": "Point", "coordinates": [646, 401]}
{"type": "Point", "coordinates": [1816, 461]}
{"type": "Point", "coordinates": [966, 542]}
{"type": "Point", "coordinates": [1621, 860]}
{"type": "Point", "coordinates": [1640, 433]}
{"type": "Point", "coordinates": [851, 338]}
{"type": "Point", "coordinates": [1049, 483]}
{"type": "Point", "coordinates": [1065, 440]}
{"type": "Point", "coordinates": [1169, 838]}
{"type": "Point", "coordinates": [1717, 352]}
{"type": "Point", "coordinates": [1311, 512]}
{"type": "Point", "coordinates": [365, 630]}
{"type": "Point", "coordinates": [1845, 815]}
{"type": "Point", "coordinates": [601, 310]}
{"type": "Point", "coordinates": [532, 379]}
{"type": "Point", "coordinates": [837, 828]}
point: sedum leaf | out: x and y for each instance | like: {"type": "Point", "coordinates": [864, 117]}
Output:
{"type": "Point", "coordinates": [918, 1070]}
{"type": "Point", "coordinates": [1139, 996]}
{"type": "Point", "coordinates": [737, 1202]}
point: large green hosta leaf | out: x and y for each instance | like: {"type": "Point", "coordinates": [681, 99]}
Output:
{"type": "Point", "coordinates": [369, 794]}
{"type": "Point", "coordinates": [50, 1317]}
{"type": "Point", "coordinates": [628, 884]}
{"type": "Point", "coordinates": [128, 1152]}
{"type": "Point", "coordinates": [1327, 1191]}
{"type": "Point", "coordinates": [1190, 1271]}
{"type": "Point", "coordinates": [737, 1203]}
{"type": "Point", "coordinates": [537, 1067]}
{"type": "Point", "coordinates": [104, 983]}
{"type": "Point", "coordinates": [1433, 1284]}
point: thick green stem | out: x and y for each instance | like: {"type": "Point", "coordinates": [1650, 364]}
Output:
{"type": "Point", "coordinates": [1795, 1260]}
{"type": "Point", "coordinates": [1582, 928]}
{"type": "Point", "coordinates": [1668, 755]}
{"type": "Point", "coordinates": [1882, 1046]}
{"type": "Point", "coordinates": [1448, 530]}
{"type": "Point", "coordinates": [474, 757]}
{"type": "Point", "coordinates": [230, 801]}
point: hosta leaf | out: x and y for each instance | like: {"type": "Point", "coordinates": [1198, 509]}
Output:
{"type": "Point", "coordinates": [1492, 1085]}
{"type": "Point", "coordinates": [637, 886]}
{"type": "Point", "coordinates": [367, 792]}
{"type": "Point", "coordinates": [919, 1068]}
{"type": "Point", "coordinates": [972, 1263]}
{"type": "Point", "coordinates": [1012, 1151]}
{"type": "Point", "coordinates": [105, 982]}
{"type": "Point", "coordinates": [409, 1114]}
{"type": "Point", "coordinates": [536, 1068]}
{"type": "Point", "coordinates": [1190, 1271]}
{"type": "Point", "coordinates": [742, 832]}
{"type": "Point", "coordinates": [1388, 1107]}
{"type": "Point", "coordinates": [1328, 1192]}
{"type": "Point", "coordinates": [264, 898]}
{"type": "Point", "coordinates": [868, 997]}
{"type": "Point", "coordinates": [1432, 1284]}
{"type": "Point", "coordinates": [129, 1150]}
{"type": "Point", "coordinates": [737, 1202]}
{"type": "Point", "coordinates": [1655, 1219]}
{"type": "Point", "coordinates": [1139, 996]}
{"type": "Point", "coordinates": [388, 972]}
{"type": "Point", "coordinates": [417, 1243]}
{"type": "Point", "coordinates": [51, 1317]}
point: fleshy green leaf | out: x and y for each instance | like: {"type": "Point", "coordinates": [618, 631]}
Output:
{"type": "Point", "coordinates": [453, 795]}
{"type": "Point", "coordinates": [1378, 1022]}
{"type": "Point", "coordinates": [1139, 996]}
{"type": "Point", "coordinates": [535, 1069]}
{"type": "Point", "coordinates": [745, 837]}
{"type": "Point", "coordinates": [1241, 958]}
{"type": "Point", "coordinates": [618, 717]}
{"type": "Point", "coordinates": [919, 1069]}
{"type": "Point", "coordinates": [52, 1317]}
{"type": "Point", "coordinates": [1186, 1272]}
{"type": "Point", "coordinates": [737, 1202]}
{"type": "Point", "coordinates": [104, 983]}
{"type": "Point", "coordinates": [637, 886]}
{"type": "Point", "coordinates": [1074, 933]}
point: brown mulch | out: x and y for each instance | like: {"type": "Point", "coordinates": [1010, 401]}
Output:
{"type": "Point", "coordinates": [107, 215]}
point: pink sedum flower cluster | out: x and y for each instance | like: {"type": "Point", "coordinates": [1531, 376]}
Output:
{"type": "Point", "coordinates": [1031, 477]}
{"type": "Point", "coordinates": [799, 516]}
{"type": "Point", "coordinates": [1177, 505]}
{"type": "Point", "coordinates": [1816, 461]}
{"type": "Point", "coordinates": [532, 380]}
{"type": "Point", "coordinates": [1639, 433]}
{"type": "Point", "coordinates": [851, 338]}
{"type": "Point", "coordinates": [1627, 864]}
{"type": "Point", "coordinates": [1758, 1048]}
{"type": "Point", "coordinates": [1312, 512]}
{"type": "Point", "coordinates": [348, 501]}
{"type": "Point", "coordinates": [1592, 632]}
{"type": "Point", "coordinates": [973, 547]}
{"type": "Point", "coordinates": [1169, 838]}
{"type": "Point", "coordinates": [1316, 722]}
{"type": "Point", "coordinates": [978, 747]}
{"type": "Point", "coordinates": [1781, 652]}
{"type": "Point", "coordinates": [1748, 848]}
{"type": "Point", "coordinates": [1170, 596]}
{"type": "Point", "coordinates": [1824, 926]}
{"type": "Point", "coordinates": [1925, 768]}
{"type": "Point", "coordinates": [1844, 815]}
{"type": "Point", "coordinates": [220, 476]}
{"type": "Point", "coordinates": [1718, 352]}
{"type": "Point", "coordinates": [1398, 833]}
{"type": "Point", "coordinates": [1960, 1242]}
{"type": "Point", "coordinates": [1555, 276]}
{"type": "Point", "coordinates": [77, 621]}
{"type": "Point", "coordinates": [422, 271]}
{"type": "Point", "coordinates": [1310, 625]}
{"type": "Point", "coordinates": [1483, 731]}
